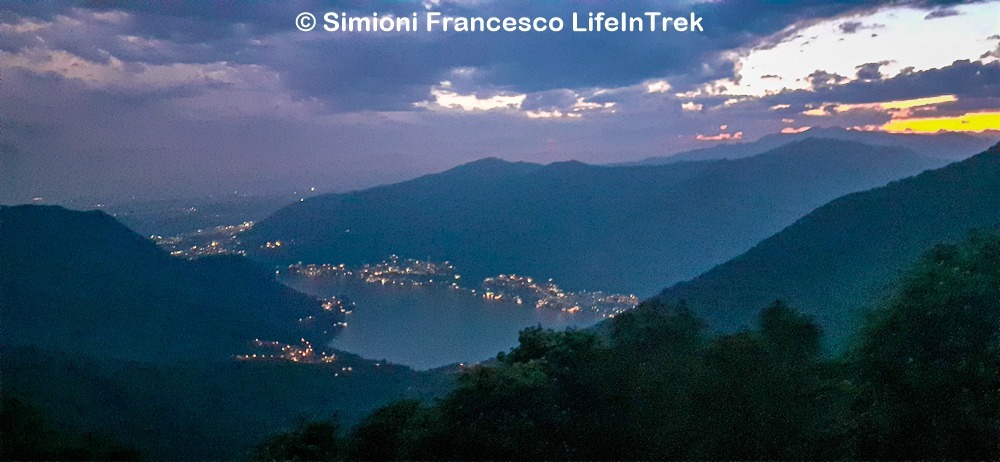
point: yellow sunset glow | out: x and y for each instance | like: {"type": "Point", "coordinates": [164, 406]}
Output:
{"type": "Point", "coordinates": [971, 122]}
{"type": "Point", "coordinates": [908, 103]}
{"type": "Point", "coordinates": [898, 105]}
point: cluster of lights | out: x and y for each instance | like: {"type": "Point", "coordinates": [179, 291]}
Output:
{"type": "Point", "coordinates": [277, 351]}
{"type": "Point", "coordinates": [339, 304]}
{"type": "Point", "coordinates": [393, 272]}
{"type": "Point", "coordinates": [520, 289]}
{"type": "Point", "coordinates": [509, 288]}
{"type": "Point", "coordinates": [203, 242]}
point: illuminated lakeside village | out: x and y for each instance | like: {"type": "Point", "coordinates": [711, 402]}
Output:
{"type": "Point", "coordinates": [512, 289]}
{"type": "Point", "coordinates": [467, 230]}
{"type": "Point", "coordinates": [219, 240]}
{"type": "Point", "coordinates": [505, 288]}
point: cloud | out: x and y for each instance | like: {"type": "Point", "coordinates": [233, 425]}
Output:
{"type": "Point", "coordinates": [823, 79]}
{"type": "Point", "coordinates": [871, 71]}
{"type": "Point", "coordinates": [851, 27]}
{"type": "Point", "coordinates": [24, 26]}
{"type": "Point", "coordinates": [691, 106]}
{"type": "Point", "coordinates": [942, 12]}
{"type": "Point", "coordinates": [965, 79]}
{"type": "Point", "coordinates": [992, 54]}
{"type": "Point", "coordinates": [555, 104]}
{"type": "Point", "coordinates": [387, 72]}
{"type": "Point", "coordinates": [381, 72]}
{"type": "Point", "coordinates": [554, 114]}
{"type": "Point", "coordinates": [787, 55]}
{"type": "Point", "coordinates": [658, 86]}
{"type": "Point", "coordinates": [445, 98]}
{"type": "Point", "coordinates": [720, 137]}
{"type": "Point", "coordinates": [793, 130]}
{"type": "Point", "coordinates": [901, 108]}
{"type": "Point", "coordinates": [121, 98]}
{"type": "Point", "coordinates": [133, 76]}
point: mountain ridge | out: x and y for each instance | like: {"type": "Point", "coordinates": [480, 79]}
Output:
{"type": "Point", "coordinates": [104, 332]}
{"type": "Point", "coordinates": [612, 228]}
{"type": "Point", "coordinates": [949, 146]}
{"type": "Point", "coordinates": [82, 282]}
{"type": "Point", "coordinates": [838, 260]}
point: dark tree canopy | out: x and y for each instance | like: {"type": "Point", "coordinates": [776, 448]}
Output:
{"type": "Point", "coordinates": [921, 382]}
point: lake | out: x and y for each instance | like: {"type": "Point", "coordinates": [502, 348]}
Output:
{"type": "Point", "coordinates": [426, 326]}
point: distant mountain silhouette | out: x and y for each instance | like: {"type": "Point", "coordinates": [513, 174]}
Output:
{"type": "Point", "coordinates": [950, 145]}
{"type": "Point", "coordinates": [625, 229]}
{"type": "Point", "coordinates": [840, 259]}
{"type": "Point", "coordinates": [84, 283]}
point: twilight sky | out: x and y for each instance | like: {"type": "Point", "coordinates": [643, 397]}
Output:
{"type": "Point", "coordinates": [107, 100]}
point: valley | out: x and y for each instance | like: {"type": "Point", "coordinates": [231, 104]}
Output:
{"type": "Point", "coordinates": [169, 322]}
{"type": "Point", "coordinates": [467, 230]}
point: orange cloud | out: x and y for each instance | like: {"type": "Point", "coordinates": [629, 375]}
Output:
{"type": "Point", "coordinates": [791, 130]}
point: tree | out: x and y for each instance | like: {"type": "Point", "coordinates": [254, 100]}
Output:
{"type": "Point", "coordinates": [391, 432]}
{"type": "Point", "coordinates": [928, 367]}
{"type": "Point", "coordinates": [313, 441]}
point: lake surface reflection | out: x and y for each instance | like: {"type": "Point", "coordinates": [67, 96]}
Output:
{"type": "Point", "coordinates": [427, 326]}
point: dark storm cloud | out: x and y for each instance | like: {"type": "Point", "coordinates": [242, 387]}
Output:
{"type": "Point", "coordinates": [376, 72]}
{"type": "Point", "coordinates": [209, 96]}
{"type": "Point", "coordinates": [94, 146]}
